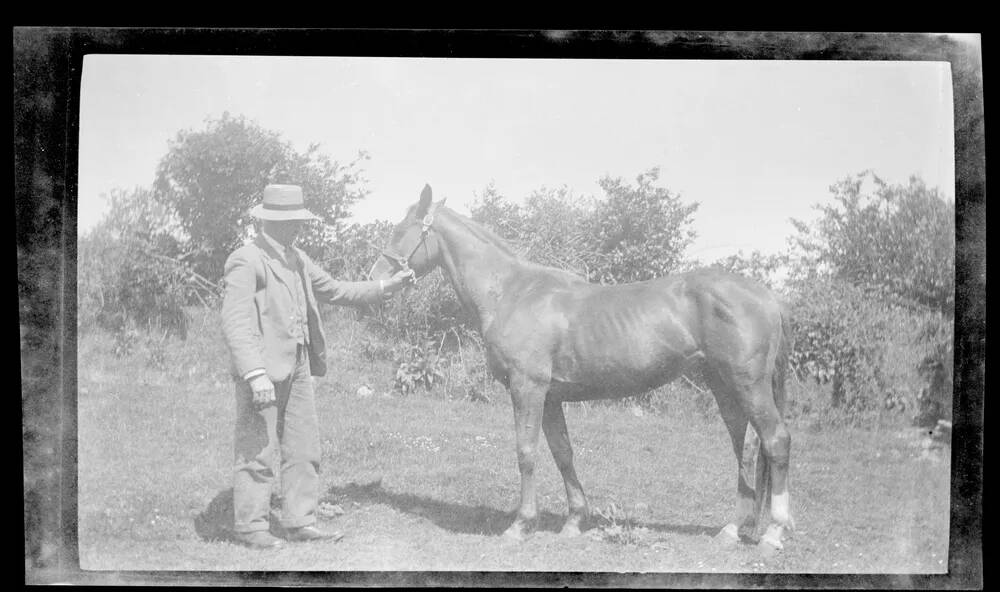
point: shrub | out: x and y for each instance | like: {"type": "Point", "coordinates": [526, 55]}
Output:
{"type": "Point", "coordinates": [871, 270]}
{"type": "Point", "coordinates": [212, 177]}
{"type": "Point", "coordinates": [756, 266]}
{"type": "Point", "coordinates": [632, 233]}
{"type": "Point", "coordinates": [417, 366]}
{"type": "Point", "coordinates": [642, 230]}
{"type": "Point", "coordinates": [552, 228]}
{"type": "Point", "coordinates": [132, 273]}
{"type": "Point", "coordinates": [936, 369]}
{"type": "Point", "coordinates": [351, 255]}
{"type": "Point", "coordinates": [897, 240]}
{"type": "Point", "coordinates": [859, 343]}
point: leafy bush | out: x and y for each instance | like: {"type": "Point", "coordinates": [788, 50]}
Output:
{"type": "Point", "coordinates": [934, 402]}
{"type": "Point", "coordinates": [132, 272]}
{"type": "Point", "coordinates": [896, 240]}
{"type": "Point", "coordinates": [860, 343]}
{"type": "Point", "coordinates": [552, 228]}
{"type": "Point", "coordinates": [687, 397]}
{"type": "Point", "coordinates": [418, 366]}
{"type": "Point", "coordinates": [877, 261]}
{"type": "Point", "coordinates": [632, 233]}
{"type": "Point", "coordinates": [213, 177]}
{"type": "Point", "coordinates": [642, 230]}
{"type": "Point", "coordinates": [356, 248]}
{"type": "Point", "coordinates": [756, 266]}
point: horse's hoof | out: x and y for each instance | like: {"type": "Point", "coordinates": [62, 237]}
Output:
{"type": "Point", "coordinates": [768, 548]}
{"type": "Point", "coordinates": [728, 537]}
{"type": "Point", "coordinates": [516, 533]}
{"type": "Point", "coordinates": [770, 543]}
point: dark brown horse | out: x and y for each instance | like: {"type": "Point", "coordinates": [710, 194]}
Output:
{"type": "Point", "coordinates": [553, 337]}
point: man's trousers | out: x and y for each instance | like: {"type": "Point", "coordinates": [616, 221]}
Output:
{"type": "Point", "coordinates": [287, 429]}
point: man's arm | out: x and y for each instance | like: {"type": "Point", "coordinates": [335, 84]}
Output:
{"type": "Point", "coordinates": [239, 316]}
{"type": "Point", "coordinates": [334, 291]}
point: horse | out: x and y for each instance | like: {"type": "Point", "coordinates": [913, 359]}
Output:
{"type": "Point", "coordinates": [553, 337]}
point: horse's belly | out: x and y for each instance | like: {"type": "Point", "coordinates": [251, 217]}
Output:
{"type": "Point", "coordinates": [622, 371]}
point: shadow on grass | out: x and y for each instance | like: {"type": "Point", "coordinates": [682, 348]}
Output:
{"type": "Point", "coordinates": [216, 521]}
{"type": "Point", "coordinates": [482, 520]}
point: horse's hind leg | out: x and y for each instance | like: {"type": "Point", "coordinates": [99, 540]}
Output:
{"type": "Point", "coordinates": [735, 419]}
{"type": "Point", "coordinates": [554, 426]}
{"type": "Point", "coordinates": [776, 445]}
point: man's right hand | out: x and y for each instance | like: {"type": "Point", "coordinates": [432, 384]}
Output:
{"type": "Point", "coordinates": [263, 390]}
{"type": "Point", "coordinates": [401, 278]}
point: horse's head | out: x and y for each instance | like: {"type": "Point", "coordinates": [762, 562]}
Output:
{"type": "Point", "coordinates": [413, 244]}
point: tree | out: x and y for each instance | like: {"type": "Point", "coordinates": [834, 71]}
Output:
{"type": "Point", "coordinates": [642, 230]}
{"type": "Point", "coordinates": [131, 268]}
{"type": "Point", "coordinates": [211, 179]}
{"type": "Point", "coordinates": [357, 247]}
{"type": "Point", "coordinates": [756, 266]}
{"type": "Point", "coordinates": [633, 233]}
{"type": "Point", "coordinates": [874, 261]}
{"type": "Point", "coordinates": [841, 335]}
{"type": "Point", "coordinates": [552, 228]}
{"type": "Point", "coordinates": [898, 241]}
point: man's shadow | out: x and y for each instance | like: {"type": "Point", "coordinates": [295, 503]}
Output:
{"type": "Point", "coordinates": [482, 520]}
{"type": "Point", "coordinates": [216, 521]}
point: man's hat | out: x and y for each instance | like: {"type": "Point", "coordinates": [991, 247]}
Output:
{"type": "Point", "coordinates": [282, 202]}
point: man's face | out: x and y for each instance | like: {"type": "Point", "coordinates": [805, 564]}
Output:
{"type": "Point", "coordinates": [283, 231]}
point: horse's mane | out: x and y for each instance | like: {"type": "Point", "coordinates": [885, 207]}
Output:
{"type": "Point", "coordinates": [484, 234]}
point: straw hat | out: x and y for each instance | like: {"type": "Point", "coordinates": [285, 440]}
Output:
{"type": "Point", "coordinates": [282, 202]}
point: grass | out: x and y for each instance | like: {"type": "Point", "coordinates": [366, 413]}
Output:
{"type": "Point", "coordinates": [429, 482]}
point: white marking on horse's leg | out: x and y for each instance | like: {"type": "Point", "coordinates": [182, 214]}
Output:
{"type": "Point", "coordinates": [779, 508]}
{"type": "Point", "coordinates": [728, 536]}
{"type": "Point", "coordinates": [770, 543]}
{"type": "Point", "coordinates": [570, 528]}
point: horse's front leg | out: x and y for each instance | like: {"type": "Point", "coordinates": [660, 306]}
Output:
{"type": "Point", "coordinates": [554, 426]}
{"type": "Point", "coordinates": [528, 397]}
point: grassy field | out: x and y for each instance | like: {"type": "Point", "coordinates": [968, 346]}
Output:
{"type": "Point", "coordinates": [426, 483]}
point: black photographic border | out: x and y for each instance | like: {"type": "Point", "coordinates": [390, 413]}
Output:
{"type": "Point", "coordinates": [47, 68]}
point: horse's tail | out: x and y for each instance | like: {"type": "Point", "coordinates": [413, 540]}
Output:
{"type": "Point", "coordinates": [762, 485]}
{"type": "Point", "coordinates": [780, 370]}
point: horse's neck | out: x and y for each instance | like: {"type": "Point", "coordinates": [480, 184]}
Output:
{"type": "Point", "coordinates": [477, 268]}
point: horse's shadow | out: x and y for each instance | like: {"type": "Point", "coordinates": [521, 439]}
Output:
{"type": "Point", "coordinates": [215, 522]}
{"type": "Point", "coordinates": [483, 520]}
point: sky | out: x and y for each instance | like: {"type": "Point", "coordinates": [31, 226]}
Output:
{"type": "Point", "coordinates": [755, 143]}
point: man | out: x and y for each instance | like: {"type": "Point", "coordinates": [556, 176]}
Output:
{"type": "Point", "coordinates": [271, 322]}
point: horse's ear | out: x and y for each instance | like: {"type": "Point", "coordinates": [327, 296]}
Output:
{"type": "Point", "coordinates": [425, 201]}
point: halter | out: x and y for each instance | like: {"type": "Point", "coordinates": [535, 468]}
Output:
{"type": "Point", "coordinates": [404, 262]}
